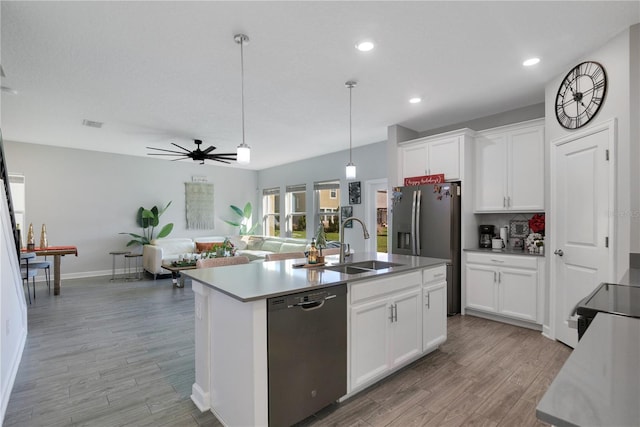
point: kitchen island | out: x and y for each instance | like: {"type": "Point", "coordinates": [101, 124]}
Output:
{"type": "Point", "coordinates": [231, 358]}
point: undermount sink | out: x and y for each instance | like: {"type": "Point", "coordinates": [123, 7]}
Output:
{"type": "Point", "coordinates": [374, 264]}
{"type": "Point", "coordinates": [347, 269]}
{"type": "Point", "coordinates": [361, 267]}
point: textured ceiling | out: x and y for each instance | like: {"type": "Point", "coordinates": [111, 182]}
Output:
{"type": "Point", "coordinates": [162, 72]}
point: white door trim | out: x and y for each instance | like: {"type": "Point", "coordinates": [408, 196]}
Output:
{"type": "Point", "coordinates": [610, 126]}
{"type": "Point", "coordinates": [370, 189]}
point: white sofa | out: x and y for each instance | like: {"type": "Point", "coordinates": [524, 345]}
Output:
{"type": "Point", "coordinates": [167, 250]}
{"type": "Point", "coordinates": [255, 248]}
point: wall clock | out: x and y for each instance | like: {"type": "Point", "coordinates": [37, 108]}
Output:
{"type": "Point", "coordinates": [581, 94]}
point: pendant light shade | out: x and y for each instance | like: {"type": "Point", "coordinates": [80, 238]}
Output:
{"type": "Point", "coordinates": [351, 168]}
{"type": "Point", "coordinates": [244, 151]}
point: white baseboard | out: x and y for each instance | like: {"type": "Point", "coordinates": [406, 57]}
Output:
{"type": "Point", "coordinates": [200, 398]}
{"type": "Point", "coordinates": [504, 319]}
{"type": "Point", "coordinates": [546, 332]}
{"type": "Point", "coordinates": [5, 394]}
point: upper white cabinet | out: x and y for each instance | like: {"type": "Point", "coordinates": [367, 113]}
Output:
{"type": "Point", "coordinates": [509, 168]}
{"type": "Point", "coordinates": [440, 154]}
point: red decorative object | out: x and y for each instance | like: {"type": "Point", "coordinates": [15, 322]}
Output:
{"type": "Point", "coordinates": [536, 223]}
{"type": "Point", "coordinates": [425, 179]}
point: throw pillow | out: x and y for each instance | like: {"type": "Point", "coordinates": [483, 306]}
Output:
{"type": "Point", "coordinates": [206, 246]}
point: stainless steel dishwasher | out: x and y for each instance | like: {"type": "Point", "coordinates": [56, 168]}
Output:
{"type": "Point", "coordinates": [307, 352]}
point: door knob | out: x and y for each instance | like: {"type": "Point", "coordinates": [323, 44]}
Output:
{"type": "Point", "coordinates": [558, 252]}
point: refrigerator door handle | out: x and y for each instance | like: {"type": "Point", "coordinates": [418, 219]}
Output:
{"type": "Point", "coordinates": [413, 223]}
{"type": "Point", "coordinates": [417, 237]}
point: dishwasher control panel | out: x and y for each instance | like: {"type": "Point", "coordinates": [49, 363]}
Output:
{"type": "Point", "coordinates": [304, 298]}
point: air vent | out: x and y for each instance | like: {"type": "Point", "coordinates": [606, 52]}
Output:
{"type": "Point", "coordinates": [92, 124]}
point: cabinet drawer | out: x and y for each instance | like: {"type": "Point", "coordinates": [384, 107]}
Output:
{"type": "Point", "coordinates": [437, 274]}
{"type": "Point", "coordinates": [368, 289]}
{"type": "Point", "coordinates": [500, 260]}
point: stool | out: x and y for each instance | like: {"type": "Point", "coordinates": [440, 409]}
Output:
{"type": "Point", "coordinates": [128, 259]}
{"type": "Point", "coordinates": [113, 266]}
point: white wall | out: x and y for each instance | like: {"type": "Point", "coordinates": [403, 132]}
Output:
{"type": "Point", "coordinates": [617, 57]}
{"type": "Point", "coordinates": [370, 161]}
{"type": "Point", "coordinates": [86, 198]}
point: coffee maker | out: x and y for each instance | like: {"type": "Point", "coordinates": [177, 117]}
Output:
{"type": "Point", "coordinates": [486, 234]}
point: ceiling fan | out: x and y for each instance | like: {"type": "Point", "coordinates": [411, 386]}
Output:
{"type": "Point", "coordinates": [197, 155]}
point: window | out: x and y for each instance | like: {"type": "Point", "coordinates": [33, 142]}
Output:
{"type": "Point", "coordinates": [296, 207]}
{"type": "Point", "coordinates": [271, 211]}
{"type": "Point", "coordinates": [327, 202]}
{"type": "Point", "coordinates": [16, 184]}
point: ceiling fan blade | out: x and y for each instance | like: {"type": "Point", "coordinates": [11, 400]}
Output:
{"type": "Point", "coordinates": [173, 143]}
{"type": "Point", "coordinates": [180, 158]}
{"type": "Point", "coordinates": [168, 151]}
{"type": "Point", "coordinates": [224, 154]}
{"type": "Point", "coordinates": [221, 161]}
{"type": "Point", "coordinates": [210, 149]}
{"type": "Point", "coordinates": [233, 159]}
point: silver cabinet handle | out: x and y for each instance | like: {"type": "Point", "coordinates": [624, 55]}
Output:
{"type": "Point", "coordinates": [391, 314]}
{"type": "Point", "coordinates": [499, 277]}
{"type": "Point", "coordinates": [508, 201]}
{"type": "Point", "coordinates": [428, 300]}
{"type": "Point", "coordinates": [497, 260]}
{"type": "Point", "coordinates": [494, 277]}
{"type": "Point", "coordinates": [395, 310]}
{"type": "Point", "coordinates": [438, 275]}
{"type": "Point", "coordinates": [504, 202]}
{"type": "Point", "coordinates": [558, 252]}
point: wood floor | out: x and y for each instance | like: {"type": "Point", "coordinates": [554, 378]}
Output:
{"type": "Point", "coordinates": [122, 353]}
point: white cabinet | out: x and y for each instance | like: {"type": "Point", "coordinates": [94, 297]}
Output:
{"type": "Point", "coordinates": [440, 154]}
{"type": "Point", "coordinates": [386, 325]}
{"type": "Point", "coordinates": [507, 285]}
{"type": "Point", "coordinates": [434, 308]}
{"type": "Point", "coordinates": [510, 168]}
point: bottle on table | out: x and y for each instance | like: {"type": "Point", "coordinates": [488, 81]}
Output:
{"type": "Point", "coordinates": [313, 253]}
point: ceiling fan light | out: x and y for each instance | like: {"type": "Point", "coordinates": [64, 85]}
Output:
{"type": "Point", "coordinates": [351, 171]}
{"type": "Point", "coordinates": [243, 154]}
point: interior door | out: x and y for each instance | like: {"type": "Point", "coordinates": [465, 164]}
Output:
{"type": "Point", "coordinates": [581, 201]}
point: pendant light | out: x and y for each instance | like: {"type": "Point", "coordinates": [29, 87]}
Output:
{"type": "Point", "coordinates": [244, 151]}
{"type": "Point", "coordinates": [351, 168]}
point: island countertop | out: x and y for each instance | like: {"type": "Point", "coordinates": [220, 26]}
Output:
{"type": "Point", "coordinates": [599, 384]}
{"type": "Point", "coordinates": [261, 280]}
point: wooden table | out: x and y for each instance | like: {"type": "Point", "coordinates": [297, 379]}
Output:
{"type": "Point", "coordinates": [175, 273]}
{"type": "Point", "coordinates": [56, 252]}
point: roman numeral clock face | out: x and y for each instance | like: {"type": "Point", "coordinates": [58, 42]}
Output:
{"type": "Point", "coordinates": [581, 94]}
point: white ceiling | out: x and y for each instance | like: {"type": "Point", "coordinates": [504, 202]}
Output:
{"type": "Point", "coordinates": [162, 72]}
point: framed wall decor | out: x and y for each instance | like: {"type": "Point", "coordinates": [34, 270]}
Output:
{"type": "Point", "coordinates": [346, 212]}
{"type": "Point", "coordinates": [354, 193]}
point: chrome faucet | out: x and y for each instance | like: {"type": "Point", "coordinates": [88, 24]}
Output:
{"type": "Point", "coordinates": [364, 230]}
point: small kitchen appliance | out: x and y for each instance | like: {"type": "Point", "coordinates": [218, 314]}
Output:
{"type": "Point", "coordinates": [486, 234]}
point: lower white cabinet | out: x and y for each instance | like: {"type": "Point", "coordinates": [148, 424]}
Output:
{"type": "Point", "coordinates": [434, 315]}
{"type": "Point", "coordinates": [390, 325]}
{"type": "Point", "coordinates": [505, 285]}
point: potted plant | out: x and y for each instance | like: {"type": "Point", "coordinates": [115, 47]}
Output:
{"type": "Point", "coordinates": [148, 220]}
{"type": "Point", "coordinates": [244, 216]}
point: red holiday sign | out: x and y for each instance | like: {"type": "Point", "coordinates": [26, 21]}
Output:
{"type": "Point", "coordinates": [422, 180]}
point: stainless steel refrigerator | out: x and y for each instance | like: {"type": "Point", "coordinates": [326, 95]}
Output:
{"type": "Point", "coordinates": [426, 222]}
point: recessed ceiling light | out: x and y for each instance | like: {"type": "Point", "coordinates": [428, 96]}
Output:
{"type": "Point", "coordinates": [365, 46]}
{"type": "Point", "coordinates": [415, 100]}
{"type": "Point", "coordinates": [531, 61]}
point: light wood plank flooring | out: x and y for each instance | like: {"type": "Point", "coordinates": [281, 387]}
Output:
{"type": "Point", "coordinates": [122, 353]}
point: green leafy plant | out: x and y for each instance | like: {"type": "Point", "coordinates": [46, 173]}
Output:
{"type": "Point", "coordinates": [244, 216]}
{"type": "Point", "coordinates": [321, 238]}
{"type": "Point", "coordinates": [148, 220]}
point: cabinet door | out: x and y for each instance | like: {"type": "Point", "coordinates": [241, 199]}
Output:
{"type": "Point", "coordinates": [434, 320]}
{"type": "Point", "coordinates": [518, 293]}
{"type": "Point", "coordinates": [414, 161]}
{"type": "Point", "coordinates": [526, 170]}
{"type": "Point", "coordinates": [481, 282]}
{"type": "Point", "coordinates": [369, 341]}
{"type": "Point", "coordinates": [406, 328]}
{"type": "Point", "coordinates": [491, 173]}
{"type": "Point", "coordinates": [444, 157]}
